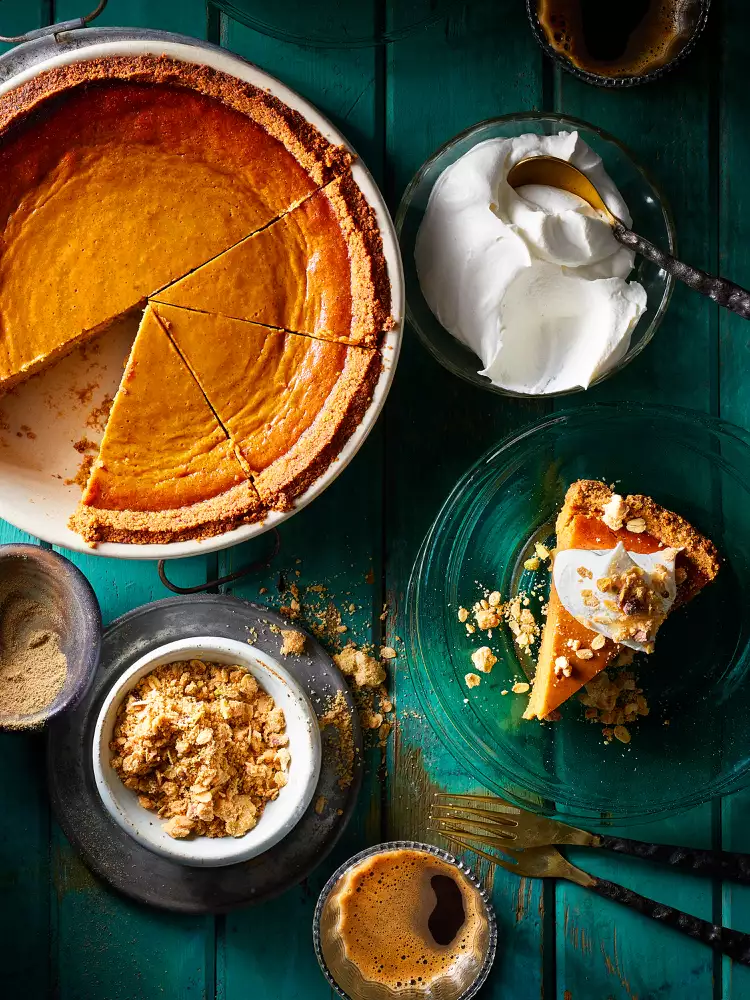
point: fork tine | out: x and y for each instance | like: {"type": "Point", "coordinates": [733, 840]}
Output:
{"type": "Point", "coordinates": [492, 858]}
{"type": "Point", "coordinates": [468, 824]}
{"type": "Point", "coordinates": [500, 804]}
{"type": "Point", "coordinates": [483, 814]}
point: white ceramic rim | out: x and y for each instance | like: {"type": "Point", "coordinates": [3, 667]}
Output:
{"type": "Point", "coordinates": [234, 65]}
{"type": "Point", "coordinates": [279, 817]}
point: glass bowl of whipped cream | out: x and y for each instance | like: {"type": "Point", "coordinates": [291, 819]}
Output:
{"type": "Point", "coordinates": [692, 744]}
{"type": "Point", "coordinates": [526, 292]}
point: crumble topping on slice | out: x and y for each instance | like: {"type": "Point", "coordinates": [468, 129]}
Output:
{"type": "Point", "coordinates": [614, 512]}
{"type": "Point", "coordinates": [563, 667]}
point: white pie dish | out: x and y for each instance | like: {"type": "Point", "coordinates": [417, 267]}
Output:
{"type": "Point", "coordinates": [37, 494]}
{"type": "Point", "coordinates": [279, 817]}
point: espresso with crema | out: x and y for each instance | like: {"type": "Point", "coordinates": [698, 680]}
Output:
{"type": "Point", "coordinates": [403, 920]}
{"type": "Point", "coordinates": [616, 39]}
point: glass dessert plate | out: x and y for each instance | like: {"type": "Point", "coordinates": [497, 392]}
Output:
{"type": "Point", "coordinates": [691, 747]}
{"type": "Point", "coordinates": [650, 213]}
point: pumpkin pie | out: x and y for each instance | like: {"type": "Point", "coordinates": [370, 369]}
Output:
{"type": "Point", "coordinates": [594, 518]}
{"type": "Point", "coordinates": [121, 175]}
{"type": "Point", "coordinates": [288, 402]}
{"type": "Point", "coordinates": [318, 270]}
{"type": "Point", "coordinates": [166, 468]}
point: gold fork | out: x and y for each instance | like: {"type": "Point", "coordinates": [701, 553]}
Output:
{"type": "Point", "coordinates": [501, 825]}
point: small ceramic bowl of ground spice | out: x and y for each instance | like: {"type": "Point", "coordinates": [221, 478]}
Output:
{"type": "Point", "coordinates": [50, 635]}
{"type": "Point", "coordinates": [207, 751]}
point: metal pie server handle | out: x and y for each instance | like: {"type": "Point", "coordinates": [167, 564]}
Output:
{"type": "Point", "coordinates": [720, 290]}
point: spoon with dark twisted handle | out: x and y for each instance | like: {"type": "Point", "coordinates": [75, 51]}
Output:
{"type": "Point", "coordinates": [553, 172]}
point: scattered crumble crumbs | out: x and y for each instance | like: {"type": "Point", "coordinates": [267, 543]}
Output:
{"type": "Point", "coordinates": [365, 670]}
{"type": "Point", "coordinates": [293, 642]}
{"type": "Point", "coordinates": [320, 803]}
{"type": "Point", "coordinates": [99, 416]}
{"type": "Point", "coordinates": [472, 680]}
{"type": "Point", "coordinates": [81, 477]}
{"type": "Point", "coordinates": [483, 659]}
{"type": "Point", "coordinates": [337, 715]}
{"type": "Point", "coordinates": [532, 564]}
{"type": "Point", "coordinates": [520, 687]}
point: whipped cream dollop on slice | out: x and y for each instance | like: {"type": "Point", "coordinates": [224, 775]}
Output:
{"type": "Point", "coordinates": [533, 281]}
{"type": "Point", "coordinates": [623, 595]}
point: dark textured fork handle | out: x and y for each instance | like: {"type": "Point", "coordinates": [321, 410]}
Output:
{"type": "Point", "coordinates": [721, 290]}
{"type": "Point", "coordinates": [735, 944]}
{"type": "Point", "coordinates": [712, 864]}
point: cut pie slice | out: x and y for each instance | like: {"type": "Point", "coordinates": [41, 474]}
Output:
{"type": "Point", "coordinates": [166, 469]}
{"type": "Point", "coordinates": [121, 175]}
{"type": "Point", "coordinates": [580, 526]}
{"type": "Point", "coordinates": [318, 270]}
{"type": "Point", "coordinates": [288, 402]}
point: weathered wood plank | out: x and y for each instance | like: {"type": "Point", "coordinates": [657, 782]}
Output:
{"type": "Point", "coordinates": [734, 375]}
{"type": "Point", "coordinates": [334, 543]}
{"type": "Point", "coordinates": [603, 949]}
{"type": "Point", "coordinates": [479, 63]}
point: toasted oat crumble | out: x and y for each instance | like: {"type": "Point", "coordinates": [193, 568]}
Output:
{"type": "Point", "coordinates": [293, 642]}
{"type": "Point", "coordinates": [472, 680]}
{"type": "Point", "coordinates": [563, 667]}
{"type": "Point", "coordinates": [636, 526]}
{"type": "Point", "coordinates": [204, 747]}
{"type": "Point", "coordinates": [483, 659]}
{"type": "Point", "coordinates": [614, 512]}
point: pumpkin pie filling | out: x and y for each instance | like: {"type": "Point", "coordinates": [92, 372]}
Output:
{"type": "Point", "coordinates": [166, 468]}
{"type": "Point", "coordinates": [121, 175]}
{"type": "Point", "coordinates": [580, 526]}
{"type": "Point", "coordinates": [318, 270]}
{"type": "Point", "coordinates": [288, 402]}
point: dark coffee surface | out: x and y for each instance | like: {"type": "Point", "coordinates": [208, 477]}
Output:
{"type": "Point", "coordinates": [617, 38]}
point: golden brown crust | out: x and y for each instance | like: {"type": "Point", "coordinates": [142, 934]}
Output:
{"type": "Point", "coordinates": [240, 505]}
{"type": "Point", "coordinates": [699, 556]}
{"type": "Point", "coordinates": [321, 159]}
{"type": "Point", "coordinates": [320, 445]}
{"type": "Point", "coordinates": [371, 288]}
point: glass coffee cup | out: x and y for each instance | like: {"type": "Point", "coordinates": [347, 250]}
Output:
{"type": "Point", "coordinates": [404, 921]}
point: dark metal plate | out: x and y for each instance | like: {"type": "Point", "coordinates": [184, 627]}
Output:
{"type": "Point", "coordinates": [133, 869]}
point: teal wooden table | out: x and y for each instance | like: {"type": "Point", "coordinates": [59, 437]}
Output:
{"type": "Point", "coordinates": [63, 933]}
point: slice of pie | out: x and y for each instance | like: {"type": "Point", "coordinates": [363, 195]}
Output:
{"type": "Point", "coordinates": [122, 174]}
{"type": "Point", "coordinates": [318, 270]}
{"type": "Point", "coordinates": [628, 605]}
{"type": "Point", "coordinates": [288, 402]}
{"type": "Point", "coordinates": [166, 469]}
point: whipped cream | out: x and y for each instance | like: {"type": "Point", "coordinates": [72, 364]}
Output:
{"type": "Point", "coordinates": [623, 595]}
{"type": "Point", "coordinates": [532, 281]}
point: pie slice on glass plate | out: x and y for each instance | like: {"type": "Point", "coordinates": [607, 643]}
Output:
{"type": "Point", "coordinates": [621, 565]}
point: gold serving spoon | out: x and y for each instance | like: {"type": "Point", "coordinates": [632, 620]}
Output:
{"type": "Point", "coordinates": [553, 172]}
